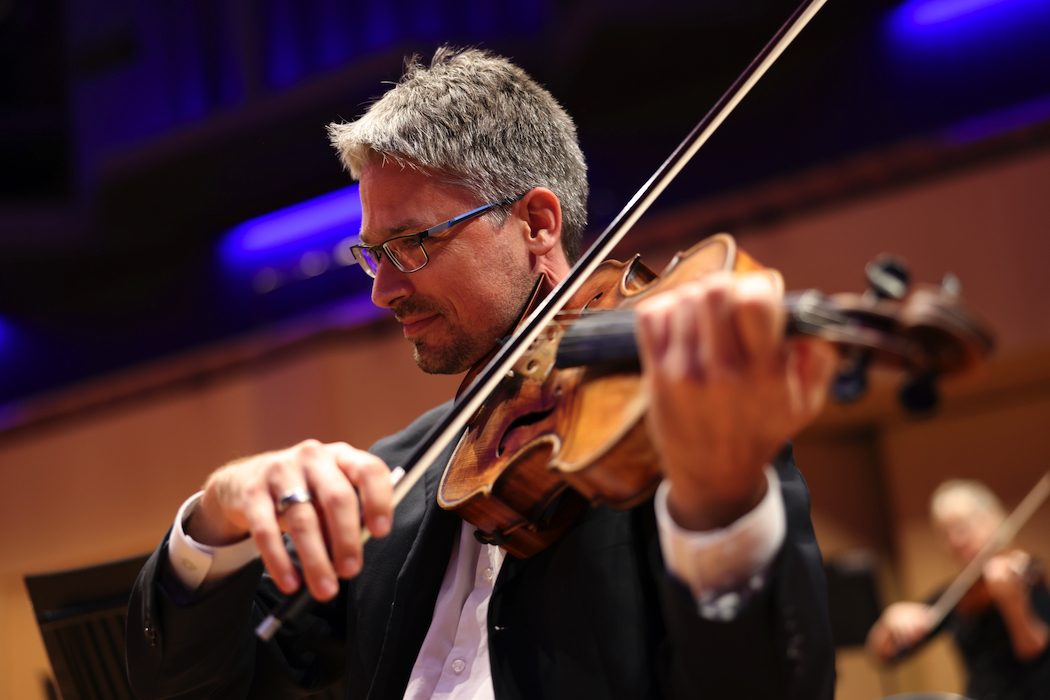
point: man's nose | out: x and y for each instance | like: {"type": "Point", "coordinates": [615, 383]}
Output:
{"type": "Point", "coordinates": [390, 284]}
{"type": "Point", "coordinates": [959, 540]}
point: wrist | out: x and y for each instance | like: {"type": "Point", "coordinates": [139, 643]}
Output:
{"type": "Point", "coordinates": [207, 524]}
{"type": "Point", "coordinates": [702, 509]}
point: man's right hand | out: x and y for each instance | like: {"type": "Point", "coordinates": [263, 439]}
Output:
{"type": "Point", "coordinates": [347, 486]}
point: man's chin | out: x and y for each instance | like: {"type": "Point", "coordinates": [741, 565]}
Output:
{"type": "Point", "coordinates": [437, 361]}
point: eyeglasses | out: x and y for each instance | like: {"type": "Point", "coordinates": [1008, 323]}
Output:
{"type": "Point", "coordinates": [407, 252]}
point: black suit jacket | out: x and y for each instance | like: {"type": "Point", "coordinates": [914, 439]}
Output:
{"type": "Point", "coordinates": [593, 616]}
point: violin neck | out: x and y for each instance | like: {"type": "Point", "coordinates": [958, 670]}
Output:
{"type": "Point", "coordinates": [599, 337]}
{"type": "Point", "coordinates": [607, 337]}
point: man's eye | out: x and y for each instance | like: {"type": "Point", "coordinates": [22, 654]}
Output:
{"type": "Point", "coordinates": [405, 246]}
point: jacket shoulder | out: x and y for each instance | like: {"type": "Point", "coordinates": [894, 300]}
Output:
{"type": "Point", "coordinates": [394, 449]}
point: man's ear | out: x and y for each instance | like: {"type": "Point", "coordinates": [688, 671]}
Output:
{"type": "Point", "coordinates": [540, 211]}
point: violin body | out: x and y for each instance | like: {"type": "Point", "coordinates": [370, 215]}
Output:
{"type": "Point", "coordinates": [978, 598]}
{"type": "Point", "coordinates": [551, 440]}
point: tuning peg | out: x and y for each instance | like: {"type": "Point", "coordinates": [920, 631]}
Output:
{"type": "Point", "coordinates": [851, 383]}
{"type": "Point", "coordinates": [918, 394]}
{"type": "Point", "coordinates": [888, 277]}
{"type": "Point", "coordinates": [951, 285]}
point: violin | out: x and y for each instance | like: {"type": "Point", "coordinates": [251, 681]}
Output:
{"type": "Point", "coordinates": [978, 598]}
{"type": "Point", "coordinates": [565, 427]}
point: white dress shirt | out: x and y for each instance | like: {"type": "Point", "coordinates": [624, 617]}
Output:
{"type": "Point", "coordinates": [720, 567]}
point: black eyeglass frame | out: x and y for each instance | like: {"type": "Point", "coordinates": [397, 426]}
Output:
{"type": "Point", "coordinates": [369, 255]}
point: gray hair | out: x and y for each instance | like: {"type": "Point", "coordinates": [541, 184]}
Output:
{"type": "Point", "coordinates": [477, 121]}
{"type": "Point", "coordinates": [946, 497]}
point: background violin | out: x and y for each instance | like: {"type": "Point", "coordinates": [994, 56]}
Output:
{"type": "Point", "coordinates": [977, 599]}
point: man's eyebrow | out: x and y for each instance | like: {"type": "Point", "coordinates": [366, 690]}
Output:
{"type": "Point", "coordinates": [409, 226]}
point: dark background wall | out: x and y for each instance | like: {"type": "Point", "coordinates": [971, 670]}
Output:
{"type": "Point", "coordinates": [134, 136]}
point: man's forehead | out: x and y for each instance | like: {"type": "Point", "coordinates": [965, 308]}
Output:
{"type": "Point", "coordinates": [959, 509]}
{"type": "Point", "coordinates": [398, 200]}
{"type": "Point", "coordinates": [403, 217]}
{"type": "Point", "coordinates": [380, 231]}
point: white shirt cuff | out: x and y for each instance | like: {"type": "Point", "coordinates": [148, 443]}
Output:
{"type": "Point", "coordinates": [723, 567]}
{"type": "Point", "coordinates": [194, 563]}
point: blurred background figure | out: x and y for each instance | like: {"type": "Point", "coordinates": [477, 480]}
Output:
{"type": "Point", "coordinates": [1000, 626]}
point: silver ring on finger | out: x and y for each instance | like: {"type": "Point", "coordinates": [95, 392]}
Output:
{"type": "Point", "coordinates": [292, 497]}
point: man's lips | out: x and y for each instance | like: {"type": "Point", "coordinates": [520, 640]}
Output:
{"type": "Point", "coordinates": [414, 327]}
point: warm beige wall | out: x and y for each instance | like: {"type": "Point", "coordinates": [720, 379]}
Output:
{"type": "Point", "coordinates": [989, 226]}
{"type": "Point", "coordinates": [106, 484]}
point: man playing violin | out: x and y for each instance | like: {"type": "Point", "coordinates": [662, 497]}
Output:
{"type": "Point", "coordinates": [1001, 626]}
{"type": "Point", "coordinates": [714, 588]}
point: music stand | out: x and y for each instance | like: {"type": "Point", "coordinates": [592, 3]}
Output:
{"type": "Point", "coordinates": [83, 616]}
{"type": "Point", "coordinates": [853, 601]}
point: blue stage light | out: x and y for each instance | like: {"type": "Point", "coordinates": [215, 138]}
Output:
{"type": "Point", "coordinates": [289, 232]}
{"type": "Point", "coordinates": [302, 222]}
{"type": "Point", "coordinates": [952, 47]}
{"type": "Point", "coordinates": [969, 17]}
{"type": "Point", "coordinates": [9, 346]}
{"type": "Point", "coordinates": [296, 243]}
{"type": "Point", "coordinates": [926, 12]}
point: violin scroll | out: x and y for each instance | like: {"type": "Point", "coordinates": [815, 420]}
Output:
{"type": "Point", "coordinates": [928, 333]}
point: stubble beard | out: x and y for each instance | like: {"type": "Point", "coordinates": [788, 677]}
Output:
{"type": "Point", "coordinates": [463, 347]}
{"type": "Point", "coordinates": [452, 358]}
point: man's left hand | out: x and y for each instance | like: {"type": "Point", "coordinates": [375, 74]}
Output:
{"type": "Point", "coordinates": [726, 389]}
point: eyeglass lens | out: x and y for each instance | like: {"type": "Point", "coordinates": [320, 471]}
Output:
{"type": "Point", "coordinates": [406, 253]}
